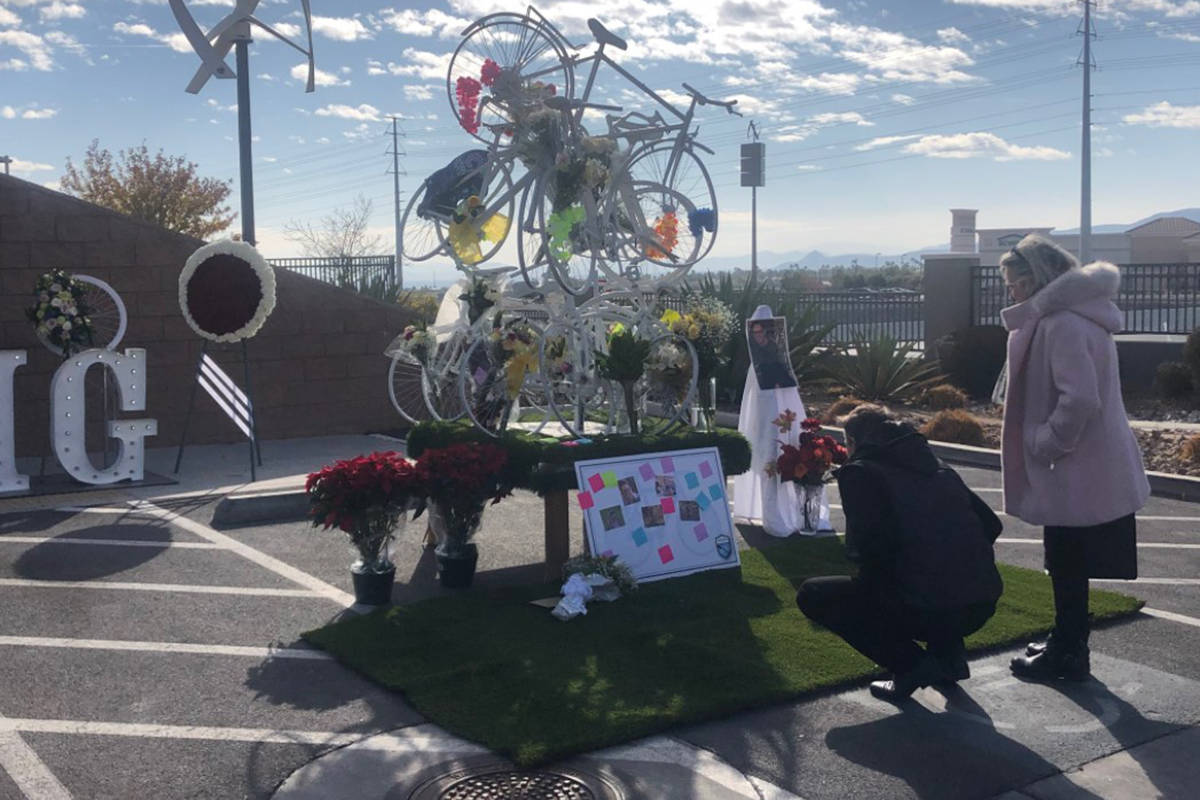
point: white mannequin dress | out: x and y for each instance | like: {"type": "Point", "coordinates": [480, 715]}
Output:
{"type": "Point", "coordinates": [759, 499]}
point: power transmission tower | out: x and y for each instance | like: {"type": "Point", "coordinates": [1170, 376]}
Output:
{"type": "Point", "coordinates": [396, 152]}
{"type": "Point", "coordinates": [1085, 151]}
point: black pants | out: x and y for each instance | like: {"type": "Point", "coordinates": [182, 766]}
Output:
{"type": "Point", "coordinates": [874, 622]}
{"type": "Point", "coordinates": [1073, 555]}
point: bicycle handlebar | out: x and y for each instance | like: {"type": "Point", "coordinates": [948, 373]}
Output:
{"type": "Point", "coordinates": [570, 104]}
{"type": "Point", "coordinates": [705, 101]}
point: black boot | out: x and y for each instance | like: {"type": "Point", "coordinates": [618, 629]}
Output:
{"type": "Point", "coordinates": [1034, 648]}
{"type": "Point", "coordinates": [926, 673]}
{"type": "Point", "coordinates": [1056, 660]}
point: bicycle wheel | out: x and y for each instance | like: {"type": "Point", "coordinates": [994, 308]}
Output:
{"type": "Point", "coordinates": [106, 311]}
{"type": "Point", "coordinates": [667, 391]}
{"type": "Point", "coordinates": [486, 225]}
{"type": "Point", "coordinates": [577, 398]}
{"type": "Point", "coordinates": [421, 237]}
{"type": "Point", "coordinates": [689, 178]}
{"type": "Point", "coordinates": [531, 238]}
{"type": "Point", "coordinates": [526, 53]}
{"type": "Point", "coordinates": [439, 378]}
{"type": "Point", "coordinates": [569, 240]}
{"type": "Point", "coordinates": [650, 241]}
{"type": "Point", "coordinates": [405, 390]}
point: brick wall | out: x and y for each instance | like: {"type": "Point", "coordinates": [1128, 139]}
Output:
{"type": "Point", "coordinates": [316, 366]}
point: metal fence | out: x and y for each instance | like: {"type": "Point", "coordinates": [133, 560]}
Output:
{"type": "Point", "coordinates": [1155, 298]}
{"type": "Point", "coordinates": [351, 271]}
{"type": "Point", "coordinates": [855, 315]}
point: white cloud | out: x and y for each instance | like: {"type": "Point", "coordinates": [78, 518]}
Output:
{"type": "Point", "coordinates": [33, 46]}
{"type": "Point", "coordinates": [421, 64]}
{"type": "Point", "coordinates": [1169, 8]}
{"type": "Point", "coordinates": [342, 29]}
{"type": "Point", "coordinates": [953, 35]}
{"type": "Point", "coordinates": [320, 76]}
{"type": "Point", "coordinates": [18, 166]}
{"type": "Point", "coordinates": [418, 92]}
{"type": "Point", "coordinates": [8, 17]}
{"type": "Point", "coordinates": [1165, 115]}
{"type": "Point", "coordinates": [903, 99]}
{"type": "Point", "coordinates": [176, 41]}
{"type": "Point", "coordinates": [8, 112]}
{"type": "Point", "coordinates": [980, 144]}
{"type": "Point", "coordinates": [15, 64]}
{"type": "Point", "coordinates": [884, 141]}
{"type": "Point", "coordinates": [425, 23]}
{"type": "Point", "coordinates": [801, 131]}
{"type": "Point", "coordinates": [362, 112]}
{"type": "Point", "coordinates": [266, 76]}
{"type": "Point", "coordinates": [359, 132]}
{"type": "Point", "coordinates": [60, 10]}
{"type": "Point", "coordinates": [287, 29]}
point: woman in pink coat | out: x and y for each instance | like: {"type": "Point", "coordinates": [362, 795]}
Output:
{"type": "Point", "coordinates": [1070, 461]}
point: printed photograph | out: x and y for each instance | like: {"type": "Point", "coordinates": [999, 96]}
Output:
{"type": "Point", "coordinates": [768, 345]}
{"type": "Point", "coordinates": [689, 510]}
{"type": "Point", "coordinates": [664, 485]}
{"type": "Point", "coordinates": [652, 516]}
{"type": "Point", "coordinates": [629, 491]}
{"type": "Point", "coordinates": [612, 517]}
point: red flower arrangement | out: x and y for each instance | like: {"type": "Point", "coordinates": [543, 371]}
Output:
{"type": "Point", "coordinates": [365, 497]}
{"type": "Point", "coordinates": [466, 89]}
{"type": "Point", "coordinates": [457, 481]}
{"type": "Point", "coordinates": [812, 459]}
{"type": "Point", "coordinates": [489, 72]}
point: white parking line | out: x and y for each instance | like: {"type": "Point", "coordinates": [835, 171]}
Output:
{"type": "Point", "coordinates": [205, 733]}
{"type": "Point", "coordinates": [166, 647]}
{"type": "Point", "coordinates": [160, 587]}
{"type": "Point", "coordinates": [25, 769]}
{"type": "Point", "coordinates": [1148, 545]}
{"type": "Point", "coordinates": [313, 584]}
{"type": "Point", "coordinates": [1172, 616]}
{"type": "Point", "coordinates": [1155, 581]}
{"type": "Point", "coordinates": [110, 542]}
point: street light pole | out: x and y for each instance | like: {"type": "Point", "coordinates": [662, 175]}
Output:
{"type": "Point", "coordinates": [246, 172]}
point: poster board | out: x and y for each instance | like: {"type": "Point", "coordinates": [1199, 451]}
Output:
{"type": "Point", "coordinates": [664, 514]}
{"type": "Point", "coordinates": [767, 343]}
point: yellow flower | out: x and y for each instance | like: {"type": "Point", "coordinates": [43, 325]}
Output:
{"type": "Point", "coordinates": [671, 316]}
{"type": "Point", "coordinates": [693, 331]}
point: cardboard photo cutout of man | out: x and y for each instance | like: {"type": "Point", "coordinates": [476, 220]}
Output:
{"type": "Point", "coordinates": [767, 342]}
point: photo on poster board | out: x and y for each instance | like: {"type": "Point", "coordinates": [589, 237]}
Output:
{"type": "Point", "coordinates": [663, 514]}
{"type": "Point", "coordinates": [767, 342]}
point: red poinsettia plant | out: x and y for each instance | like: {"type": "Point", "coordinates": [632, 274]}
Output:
{"type": "Point", "coordinates": [809, 462]}
{"type": "Point", "coordinates": [458, 480]}
{"type": "Point", "coordinates": [365, 497]}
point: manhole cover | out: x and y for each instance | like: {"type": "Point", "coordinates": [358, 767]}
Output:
{"type": "Point", "coordinates": [517, 785]}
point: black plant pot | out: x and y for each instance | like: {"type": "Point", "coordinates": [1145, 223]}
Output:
{"type": "Point", "coordinates": [373, 588]}
{"type": "Point", "coordinates": [456, 570]}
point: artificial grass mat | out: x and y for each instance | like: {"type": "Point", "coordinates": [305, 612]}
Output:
{"type": "Point", "coordinates": [492, 668]}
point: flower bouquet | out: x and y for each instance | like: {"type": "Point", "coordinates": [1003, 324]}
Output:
{"type": "Point", "coordinates": [61, 313]}
{"type": "Point", "coordinates": [707, 324]}
{"type": "Point", "coordinates": [809, 463]}
{"type": "Point", "coordinates": [625, 363]}
{"type": "Point", "coordinates": [480, 295]}
{"type": "Point", "coordinates": [458, 480]}
{"type": "Point", "coordinates": [366, 497]}
{"type": "Point", "coordinates": [417, 341]}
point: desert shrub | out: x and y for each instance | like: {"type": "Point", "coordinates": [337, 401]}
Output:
{"type": "Point", "coordinates": [1173, 380]}
{"type": "Point", "coordinates": [972, 357]}
{"type": "Point", "coordinates": [840, 408]}
{"type": "Point", "coordinates": [944, 396]}
{"type": "Point", "coordinates": [955, 425]}
{"type": "Point", "coordinates": [1191, 355]}
{"type": "Point", "coordinates": [880, 369]}
{"type": "Point", "coordinates": [1189, 451]}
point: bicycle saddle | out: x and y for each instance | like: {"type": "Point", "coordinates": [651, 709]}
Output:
{"type": "Point", "coordinates": [604, 36]}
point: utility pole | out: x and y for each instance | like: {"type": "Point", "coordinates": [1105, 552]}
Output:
{"type": "Point", "coordinates": [5, 160]}
{"type": "Point", "coordinates": [246, 173]}
{"type": "Point", "coordinates": [399, 272]}
{"type": "Point", "coordinates": [753, 175]}
{"type": "Point", "coordinates": [1085, 149]}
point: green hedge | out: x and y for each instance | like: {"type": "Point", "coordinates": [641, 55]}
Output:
{"type": "Point", "coordinates": [543, 464]}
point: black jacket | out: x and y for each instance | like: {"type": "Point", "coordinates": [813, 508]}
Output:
{"type": "Point", "coordinates": [914, 526]}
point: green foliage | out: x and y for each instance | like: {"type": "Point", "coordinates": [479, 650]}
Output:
{"type": "Point", "coordinates": [160, 189]}
{"type": "Point", "coordinates": [805, 335]}
{"type": "Point", "coordinates": [626, 357]}
{"type": "Point", "coordinates": [880, 369]}
{"type": "Point", "coordinates": [421, 302]}
{"type": "Point", "coordinates": [1191, 355]}
{"type": "Point", "coordinates": [544, 464]}
{"type": "Point", "coordinates": [955, 425]}
{"type": "Point", "coordinates": [611, 567]}
{"type": "Point", "coordinates": [972, 358]}
{"type": "Point", "coordinates": [379, 287]}
{"type": "Point", "coordinates": [1173, 380]}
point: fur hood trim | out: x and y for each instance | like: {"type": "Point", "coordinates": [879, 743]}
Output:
{"type": "Point", "coordinates": [1087, 291]}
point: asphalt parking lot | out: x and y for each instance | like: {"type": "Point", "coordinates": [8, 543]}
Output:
{"type": "Point", "coordinates": [148, 655]}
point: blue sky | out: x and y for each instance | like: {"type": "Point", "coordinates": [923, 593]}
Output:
{"type": "Point", "coordinates": [879, 115]}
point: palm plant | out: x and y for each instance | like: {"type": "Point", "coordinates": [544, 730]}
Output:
{"type": "Point", "coordinates": [880, 369]}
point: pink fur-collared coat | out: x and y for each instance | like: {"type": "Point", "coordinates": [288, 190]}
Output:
{"type": "Point", "coordinates": [1068, 455]}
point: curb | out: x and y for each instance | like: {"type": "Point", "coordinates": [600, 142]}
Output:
{"type": "Point", "coordinates": [251, 507]}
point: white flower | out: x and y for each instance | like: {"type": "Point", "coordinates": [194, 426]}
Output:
{"type": "Point", "coordinates": [66, 326]}
{"type": "Point", "coordinates": [262, 270]}
{"type": "Point", "coordinates": [56, 287]}
{"type": "Point", "coordinates": [56, 303]}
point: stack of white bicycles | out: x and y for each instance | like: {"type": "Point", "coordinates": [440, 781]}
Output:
{"type": "Point", "coordinates": [602, 225]}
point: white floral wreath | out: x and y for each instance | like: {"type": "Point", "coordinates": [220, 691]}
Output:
{"type": "Point", "coordinates": [262, 270]}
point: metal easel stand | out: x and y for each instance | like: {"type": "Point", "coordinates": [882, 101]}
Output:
{"type": "Point", "coordinates": [239, 409]}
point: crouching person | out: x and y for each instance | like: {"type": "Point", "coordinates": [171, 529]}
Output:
{"type": "Point", "coordinates": [923, 543]}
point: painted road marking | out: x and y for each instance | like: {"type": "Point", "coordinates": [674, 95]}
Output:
{"type": "Point", "coordinates": [166, 647]}
{"type": "Point", "coordinates": [312, 583]}
{"type": "Point", "coordinates": [1152, 545]}
{"type": "Point", "coordinates": [1172, 616]}
{"type": "Point", "coordinates": [1155, 581]}
{"type": "Point", "coordinates": [26, 770]}
{"type": "Point", "coordinates": [160, 587]}
{"type": "Point", "coordinates": [110, 542]}
{"type": "Point", "coordinates": [269, 735]}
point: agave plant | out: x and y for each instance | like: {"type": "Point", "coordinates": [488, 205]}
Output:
{"type": "Point", "coordinates": [880, 369]}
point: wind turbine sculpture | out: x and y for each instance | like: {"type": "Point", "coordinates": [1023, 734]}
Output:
{"type": "Point", "coordinates": [212, 48]}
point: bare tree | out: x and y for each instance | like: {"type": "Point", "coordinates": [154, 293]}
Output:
{"type": "Point", "coordinates": [161, 189]}
{"type": "Point", "coordinates": [341, 233]}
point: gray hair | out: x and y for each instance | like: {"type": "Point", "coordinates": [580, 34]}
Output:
{"type": "Point", "coordinates": [1038, 258]}
{"type": "Point", "coordinates": [864, 421]}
